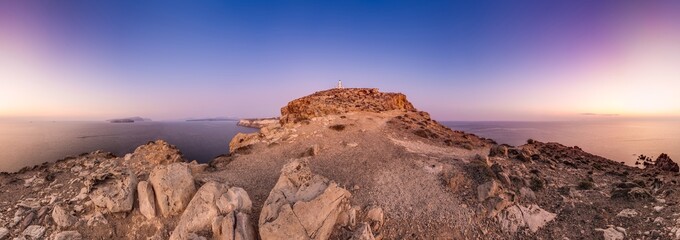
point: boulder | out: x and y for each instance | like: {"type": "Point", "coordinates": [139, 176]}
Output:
{"type": "Point", "coordinates": [486, 190]}
{"type": "Point", "coordinates": [147, 199]}
{"type": "Point", "coordinates": [62, 218]}
{"type": "Point", "coordinates": [627, 213]}
{"type": "Point", "coordinates": [68, 235]}
{"type": "Point", "coordinates": [4, 232]}
{"type": "Point", "coordinates": [235, 199]}
{"type": "Point", "coordinates": [34, 232]}
{"type": "Point", "coordinates": [612, 233]}
{"type": "Point", "coordinates": [665, 163]}
{"type": "Point", "coordinates": [376, 218]}
{"type": "Point", "coordinates": [115, 193]}
{"type": "Point", "coordinates": [498, 151]}
{"type": "Point", "coordinates": [223, 227]}
{"type": "Point", "coordinates": [243, 140]}
{"type": "Point", "coordinates": [515, 217]}
{"type": "Point", "coordinates": [244, 229]}
{"type": "Point", "coordinates": [301, 205]}
{"type": "Point", "coordinates": [363, 232]}
{"type": "Point", "coordinates": [173, 186]}
{"type": "Point", "coordinates": [206, 213]}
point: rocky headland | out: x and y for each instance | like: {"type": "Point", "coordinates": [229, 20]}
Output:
{"type": "Point", "coordinates": [257, 122]}
{"type": "Point", "coordinates": [345, 164]}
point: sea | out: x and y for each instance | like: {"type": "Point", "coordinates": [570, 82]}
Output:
{"type": "Point", "coordinates": [619, 140]}
{"type": "Point", "coordinates": [29, 143]}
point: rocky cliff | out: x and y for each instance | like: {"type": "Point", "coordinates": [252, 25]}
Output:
{"type": "Point", "coordinates": [343, 100]}
{"type": "Point", "coordinates": [345, 164]}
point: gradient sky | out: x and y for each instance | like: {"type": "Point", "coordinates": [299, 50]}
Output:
{"type": "Point", "coordinates": [476, 60]}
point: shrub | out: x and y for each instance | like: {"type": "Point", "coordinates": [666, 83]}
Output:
{"type": "Point", "coordinates": [337, 127]}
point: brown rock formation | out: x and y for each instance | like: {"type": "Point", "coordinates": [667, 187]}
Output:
{"type": "Point", "coordinates": [665, 163]}
{"type": "Point", "coordinates": [338, 101]}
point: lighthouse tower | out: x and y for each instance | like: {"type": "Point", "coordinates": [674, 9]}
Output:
{"type": "Point", "coordinates": [339, 84]}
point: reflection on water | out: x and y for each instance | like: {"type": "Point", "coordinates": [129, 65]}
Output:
{"type": "Point", "coordinates": [621, 141]}
{"type": "Point", "coordinates": [25, 144]}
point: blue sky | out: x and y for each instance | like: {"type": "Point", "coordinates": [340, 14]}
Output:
{"type": "Point", "coordinates": [458, 60]}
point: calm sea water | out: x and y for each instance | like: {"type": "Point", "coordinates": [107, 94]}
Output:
{"type": "Point", "coordinates": [26, 144]}
{"type": "Point", "coordinates": [621, 141]}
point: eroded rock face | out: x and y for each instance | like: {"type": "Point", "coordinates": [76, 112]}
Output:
{"type": "Point", "coordinates": [301, 205]}
{"type": "Point", "coordinates": [206, 213]}
{"type": "Point", "coordinates": [338, 101]}
{"type": "Point", "coordinates": [115, 193]}
{"type": "Point", "coordinates": [173, 186]}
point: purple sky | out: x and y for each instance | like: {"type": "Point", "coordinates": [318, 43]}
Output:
{"type": "Point", "coordinates": [482, 60]}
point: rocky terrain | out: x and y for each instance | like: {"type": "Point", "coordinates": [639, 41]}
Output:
{"type": "Point", "coordinates": [345, 164]}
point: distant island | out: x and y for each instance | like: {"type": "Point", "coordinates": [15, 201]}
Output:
{"type": "Point", "coordinates": [212, 119]}
{"type": "Point", "coordinates": [129, 120]}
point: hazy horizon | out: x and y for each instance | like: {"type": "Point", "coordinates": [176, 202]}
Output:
{"type": "Point", "coordinates": [475, 61]}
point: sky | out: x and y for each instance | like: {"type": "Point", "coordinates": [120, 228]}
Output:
{"type": "Point", "coordinates": [458, 60]}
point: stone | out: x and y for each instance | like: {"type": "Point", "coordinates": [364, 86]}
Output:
{"type": "Point", "coordinates": [235, 199]}
{"type": "Point", "coordinates": [301, 205]}
{"type": "Point", "coordinates": [363, 232]}
{"type": "Point", "coordinates": [244, 230]}
{"type": "Point", "coordinates": [376, 218]}
{"type": "Point", "coordinates": [527, 193]}
{"type": "Point", "coordinates": [242, 140]}
{"type": "Point", "coordinates": [173, 185]}
{"type": "Point", "coordinates": [499, 151]}
{"type": "Point", "coordinates": [27, 220]}
{"type": "Point", "coordinates": [97, 218]}
{"type": "Point", "coordinates": [68, 235]}
{"type": "Point", "coordinates": [223, 227]}
{"type": "Point", "coordinates": [205, 214]}
{"type": "Point", "coordinates": [665, 163]}
{"type": "Point", "coordinates": [147, 199]}
{"type": "Point", "coordinates": [627, 213]}
{"type": "Point", "coordinates": [486, 190]}
{"type": "Point", "coordinates": [62, 218]}
{"type": "Point", "coordinates": [4, 232]}
{"type": "Point", "coordinates": [116, 193]}
{"type": "Point", "coordinates": [611, 233]}
{"type": "Point", "coordinates": [515, 217]}
{"type": "Point", "coordinates": [34, 231]}
{"type": "Point", "coordinates": [201, 211]}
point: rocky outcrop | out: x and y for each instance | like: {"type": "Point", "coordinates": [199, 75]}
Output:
{"type": "Point", "coordinates": [242, 140]}
{"type": "Point", "coordinates": [665, 163]}
{"type": "Point", "coordinates": [116, 192]}
{"type": "Point", "coordinates": [218, 209]}
{"type": "Point", "coordinates": [155, 153]}
{"type": "Point", "coordinates": [257, 122]}
{"type": "Point", "coordinates": [338, 101]}
{"type": "Point", "coordinates": [301, 205]}
{"type": "Point", "coordinates": [173, 186]}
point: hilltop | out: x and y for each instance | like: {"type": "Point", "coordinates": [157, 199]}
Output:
{"type": "Point", "coordinates": [346, 164]}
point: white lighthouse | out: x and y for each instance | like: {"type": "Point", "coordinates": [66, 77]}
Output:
{"type": "Point", "coordinates": [339, 84]}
